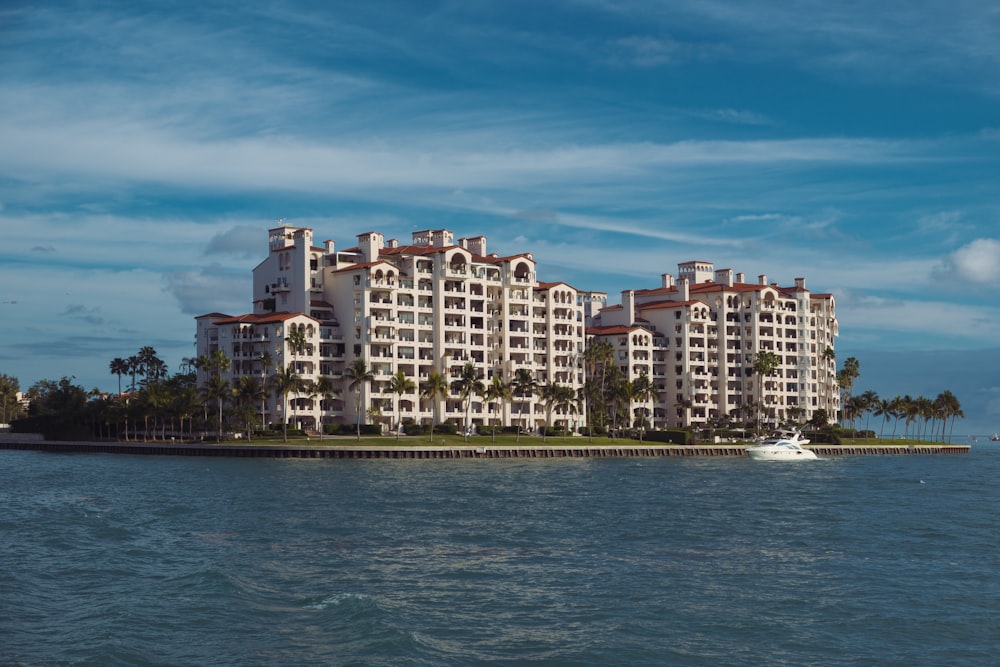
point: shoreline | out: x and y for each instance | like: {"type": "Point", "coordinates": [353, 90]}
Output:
{"type": "Point", "coordinates": [455, 451]}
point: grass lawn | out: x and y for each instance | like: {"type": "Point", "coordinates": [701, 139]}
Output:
{"type": "Point", "coordinates": [507, 440]}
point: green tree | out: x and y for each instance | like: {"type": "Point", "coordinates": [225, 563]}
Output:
{"type": "Point", "coordinates": [765, 362]}
{"type": "Point", "coordinates": [949, 408]}
{"type": "Point", "coordinates": [59, 409]}
{"type": "Point", "coordinates": [184, 401]}
{"type": "Point", "coordinates": [358, 376]}
{"type": "Point", "coordinates": [9, 387]}
{"type": "Point", "coordinates": [554, 396]}
{"type": "Point", "coordinates": [266, 364]}
{"type": "Point", "coordinates": [296, 339]}
{"type": "Point", "coordinates": [642, 390]}
{"type": "Point", "coordinates": [598, 357]}
{"type": "Point", "coordinates": [119, 367]}
{"type": "Point", "coordinates": [399, 386]}
{"type": "Point", "coordinates": [467, 385]}
{"type": "Point", "coordinates": [326, 389]}
{"type": "Point", "coordinates": [846, 377]}
{"type": "Point", "coordinates": [248, 391]}
{"type": "Point", "coordinates": [215, 387]}
{"type": "Point", "coordinates": [434, 389]}
{"type": "Point", "coordinates": [286, 381]}
{"type": "Point", "coordinates": [498, 392]}
{"type": "Point", "coordinates": [523, 385]}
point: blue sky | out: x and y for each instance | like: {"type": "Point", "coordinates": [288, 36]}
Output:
{"type": "Point", "coordinates": [146, 147]}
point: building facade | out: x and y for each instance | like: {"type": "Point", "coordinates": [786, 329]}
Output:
{"type": "Point", "coordinates": [430, 306]}
{"type": "Point", "coordinates": [697, 337]}
{"type": "Point", "coordinates": [435, 304]}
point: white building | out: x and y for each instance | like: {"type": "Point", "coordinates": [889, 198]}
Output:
{"type": "Point", "coordinates": [697, 338]}
{"type": "Point", "coordinates": [435, 304]}
{"type": "Point", "coordinates": [430, 306]}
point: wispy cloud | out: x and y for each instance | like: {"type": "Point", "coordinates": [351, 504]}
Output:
{"type": "Point", "coordinates": [643, 51]}
{"type": "Point", "coordinates": [90, 315]}
{"type": "Point", "coordinates": [241, 241]}
{"type": "Point", "coordinates": [209, 289]}
{"type": "Point", "coordinates": [736, 117]}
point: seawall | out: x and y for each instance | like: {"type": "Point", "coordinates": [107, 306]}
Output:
{"type": "Point", "coordinates": [356, 451]}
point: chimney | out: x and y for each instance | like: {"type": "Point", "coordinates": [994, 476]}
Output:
{"type": "Point", "coordinates": [762, 279]}
{"type": "Point", "coordinates": [684, 288]}
{"type": "Point", "coordinates": [666, 280]}
{"type": "Point", "coordinates": [800, 283]}
{"type": "Point", "coordinates": [370, 244]}
{"type": "Point", "coordinates": [724, 277]}
{"type": "Point", "coordinates": [476, 245]}
{"type": "Point", "coordinates": [628, 305]}
{"type": "Point", "coordinates": [328, 245]}
{"type": "Point", "coordinates": [741, 277]}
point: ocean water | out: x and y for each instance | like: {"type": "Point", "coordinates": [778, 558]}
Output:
{"type": "Point", "coordinates": [121, 560]}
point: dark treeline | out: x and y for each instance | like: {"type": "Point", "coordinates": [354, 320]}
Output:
{"type": "Point", "coordinates": [152, 404]}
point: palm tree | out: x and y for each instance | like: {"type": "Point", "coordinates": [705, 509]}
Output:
{"type": "Point", "coordinates": [358, 376]}
{"type": "Point", "coordinates": [296, 339]}
{"type": "Point", "coordinates": [616, 394]}
{"type": "Point", "coordinates": [896, 412]}
{"type": "Point", "coordinates": [465, 387]}
{"type": "Point", "coordinates": [285, 382]}
{"type": "Point", "coordinates": [853, 409]}
{"type": "Point", "coordinates": [400, 385]}
{"type": "Point", "coordinates": [435, 389]}
{"type": "Point", "coordinates": [869, 400]}
{"type": "Point", "coordinates": [593, 396]}
{"type": "Point", "coordinates": [523, 385]}
{"type": "Point", "coordinates": [847, 375]}
{"type": "Point", "coordinates": [949, 408]}
{"type": "Point", "coordinates": [549, 395]}
{"type": "Point", "coordinates": [184, 403]}
{"type": "Point", "coordinates": [216, 389]}
{"type": "Point", "coordinates": [119, 367]}
{"type": "Point", "coordinates": [597, 357]}
{"type": "Point", "coordinates": [882, 408]}
{"type": "Point", "coordinates": [248, 390]}
{"type": "Point", "coordinates": [500, 392]}
{"type": "Point", "coordinates": [266, 363]}
{"type": "Point", "coordinates": [554, 396]}
{"type": "Point", "coordinates": [764, 363]}
{"type": "Point", "coordinates": [9, 388]}
{"type": "Point", "coordinates": [134, 368]}
{"type": "Point", "coordinates": [326, 389]}
{"type": "Point", "coordinates": [643, 390]}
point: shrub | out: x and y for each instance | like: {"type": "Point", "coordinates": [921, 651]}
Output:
{"type": "Point", "coordinates": [673, 436]}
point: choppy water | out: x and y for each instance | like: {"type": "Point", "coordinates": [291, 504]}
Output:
{"type": "Point", "coordinates": [118, 560]}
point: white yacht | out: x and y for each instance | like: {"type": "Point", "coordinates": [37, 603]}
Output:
{"type": "Point", "coordinates": [782, 446]}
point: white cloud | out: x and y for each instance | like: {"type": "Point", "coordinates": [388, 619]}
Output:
{"type": "Point", "coordinates": [977, 262]}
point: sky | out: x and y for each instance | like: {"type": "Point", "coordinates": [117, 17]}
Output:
{"type": "Point", "coordinates": [146, 148]}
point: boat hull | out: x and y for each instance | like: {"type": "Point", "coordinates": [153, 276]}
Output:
{"type": "Point", "coordinates": [780, 454]}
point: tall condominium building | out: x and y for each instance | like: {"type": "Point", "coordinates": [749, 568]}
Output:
{"type": "Point", "coordinates": [696, 338]}
{"type": "Point", "coordinates": [430, 306]}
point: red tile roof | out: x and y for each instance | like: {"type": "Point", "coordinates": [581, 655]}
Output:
{"type": "Point", "coordinates": [617, 330]}
{"type": "Point", "coordinates": [265, 318]}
